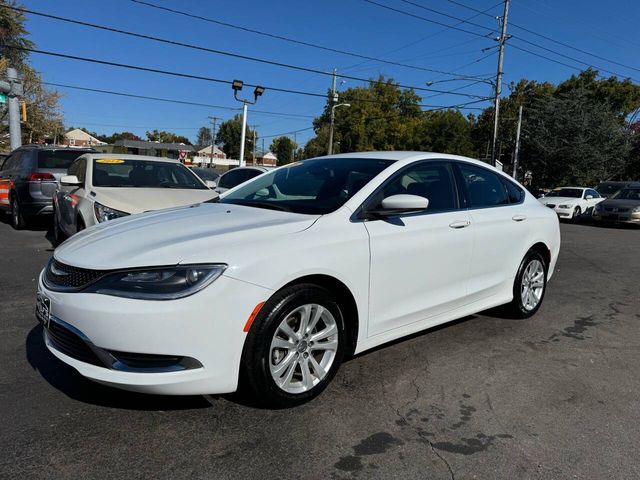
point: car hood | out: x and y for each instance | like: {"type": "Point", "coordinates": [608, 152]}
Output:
{"type": "Point", "coordinates": [138, 200]}
{"type": "Point", "coordinates": [620, 203]}
{"type": "Point", "coordinates": [207, 232]}
{"type": "Point", "coordinates": [559, 200]}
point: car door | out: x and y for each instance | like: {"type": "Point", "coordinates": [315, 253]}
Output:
{"type": "Point", "coordinates": [594, 200]}
{"type": "Point", "coordinates": [419, 262]}
{"type": "Point", "coordinates": [501, 230]}
{"type": "Point", "coordinates": [70, 197]}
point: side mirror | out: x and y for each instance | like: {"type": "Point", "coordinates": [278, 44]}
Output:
{"type": "Point", "coordinates": [70, 180]}
{"type": "Point", "coordinates": [399, 204]}
{"type": "Point", "coordinates": [589, 197]}
{"type": "Point", "coordinates": [211, 184]}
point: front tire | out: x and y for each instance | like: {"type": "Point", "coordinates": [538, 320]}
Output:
{"type": "Point", "coordinates": [294, 347]}
{"type": "Point", "coordinates": [576, 214]}
{"type": "Point", "coordinates": [529, 286]}
{"type": "Point", "coordinates": [58, 234]}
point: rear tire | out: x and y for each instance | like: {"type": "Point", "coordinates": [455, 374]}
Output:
{"type": "Point", "coordinates": [294, 347]}
{"type": "Point", "coordinates": [17, 218]}
{"type": "Point", "coordinates": [529, 286]}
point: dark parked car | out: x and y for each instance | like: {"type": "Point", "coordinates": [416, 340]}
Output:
{"type": "Point", "coordinates": [609, 189]}
{"type": "Point", "coordinates": [28, 178]}
{"type": "Point", "coordinates": [624, 207]}
{"type": "Point", "coordinates": [238, 175]}
{"type": "Point", "coordinates": [207, 174]}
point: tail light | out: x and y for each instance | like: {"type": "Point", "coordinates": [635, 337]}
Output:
{"type": "Point", "coordinates": [41, 177]}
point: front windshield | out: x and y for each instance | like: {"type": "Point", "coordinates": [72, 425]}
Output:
{"type": "Point", "coordinates": [607, 188]}
{"type": "Point", "coordinates": [628, 194]}
{"type": "Point", "coordinates": [316, 186]}
{"type": "Point", "coordinates": [118, 172]}
{"type": "Point", "coordinates": [567, 192]}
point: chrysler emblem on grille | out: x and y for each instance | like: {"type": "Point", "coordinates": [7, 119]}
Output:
{"type": "Point", "coordinates": [57, 272]}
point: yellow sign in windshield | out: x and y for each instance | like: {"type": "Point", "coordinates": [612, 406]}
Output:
{"type": "Point", "coordinates": [109, 160]}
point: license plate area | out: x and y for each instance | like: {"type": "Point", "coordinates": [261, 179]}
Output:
{"type": "Point", "coordinates": [43, 309]}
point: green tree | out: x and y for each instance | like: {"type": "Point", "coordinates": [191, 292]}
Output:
{"type": "Point", "coordinates": [166, 137]}
{"type": "Point", "coordinates": [115, 136]}
{"type": "Point", "coordinates": [13, 33]}
{"type": "Point", "coordinates": [229, 137]}
{"type": "Point", "coordinates": [283, 148]}
{"type": "Point", "coordinates": [204, 136]}
{"type": "Point", "coordinates": [573, 139]}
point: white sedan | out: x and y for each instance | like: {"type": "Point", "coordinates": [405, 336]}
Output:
{"type": "Point", "coordinates": [102, 187]}
{"type": "Point", "coordinates": [269, 288]}
{"type": "Point", "coordinates": [571, 202]}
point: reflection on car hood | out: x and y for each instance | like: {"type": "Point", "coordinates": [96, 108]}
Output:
{"type": "Point", "coordinates": [138, 200]}
{"type": "Point", "coordinates": [210, 232]}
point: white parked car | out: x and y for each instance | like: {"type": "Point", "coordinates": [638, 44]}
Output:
{"type": "Point", "coordinates": [236, 176]}
{"type": "Point", "coordinates": [270, 287]}
{"type": "Point", "coordinates": [102, 187]}
{"type": "Point", "coordinates": [571, 202]}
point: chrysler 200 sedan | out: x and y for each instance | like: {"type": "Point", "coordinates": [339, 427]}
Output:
{"type": "Point", "coordinates": [270, 286]}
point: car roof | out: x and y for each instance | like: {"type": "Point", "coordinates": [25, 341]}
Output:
{"type": "Point", "coordinates": [249, 167]}
{"type": "Point", "coordinates": [122, 156]}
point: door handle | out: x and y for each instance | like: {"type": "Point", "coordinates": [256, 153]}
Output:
{"type": "Point", "coordinates": [460, 224]}
{"type": "Point", "coordinates": [519, 218]}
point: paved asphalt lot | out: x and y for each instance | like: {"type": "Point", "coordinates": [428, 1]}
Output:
{"type": "Point", "coordinates": [556, 396]}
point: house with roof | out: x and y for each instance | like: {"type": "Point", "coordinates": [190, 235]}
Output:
{"type": "Point", "coordinates": [267, 159]}
{"type": "Point", "coordinates": [179, 151]}
{"type": "Point", "coordinates": [80, 138]}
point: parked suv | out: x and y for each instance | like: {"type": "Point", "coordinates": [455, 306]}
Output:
{"type": "Point", "coordinates": [28, 178]}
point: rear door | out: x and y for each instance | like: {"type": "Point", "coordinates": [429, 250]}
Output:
{"type": "Point", "coordinates": [419, 262]}
{"type": "Point", "coordinates": [501, 231]}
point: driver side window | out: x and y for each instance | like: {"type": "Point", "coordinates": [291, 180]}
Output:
{"type": "Point", "coordinates": [428, 179]}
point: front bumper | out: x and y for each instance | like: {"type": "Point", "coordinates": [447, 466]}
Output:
{"type": "Point", "coordinates": [623, 217]}
{"type": "Point", "coordinates": [202, 331]}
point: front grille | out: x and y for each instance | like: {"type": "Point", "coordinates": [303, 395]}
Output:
{"type": "Point", "coordinates": [551, 205]}
{"type": "Point", "coordinates": [614, 209]}
{"type": "Point", "coordinates": [66, 277]}
{"type": "Point", "coordinates": [146, 360]}
{"type": "Point", "coordinates": [71, 344]}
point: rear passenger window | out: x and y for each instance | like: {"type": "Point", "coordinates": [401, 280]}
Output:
{"type": "Point", "coordinates": [484, 188]}
{"type": "Point", "coordinates": [514, 192]}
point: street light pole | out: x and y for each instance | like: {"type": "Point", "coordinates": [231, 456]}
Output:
{"type": "Point", "coordinates": [334, 101]}
{"type": "Point", "coordinates": [14, 90]}
{"type": "Point", "coordinates": [237, 85]}
{"type": "Point", "coordinates": [498, 85]}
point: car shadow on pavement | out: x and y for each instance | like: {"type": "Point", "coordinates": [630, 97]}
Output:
{"type": "Point", "coordinates": [43, 224]}
{"type": "Point", "coordinates": [67, 380]}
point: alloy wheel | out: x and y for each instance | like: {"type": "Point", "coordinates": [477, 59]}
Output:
{"type": "Point", "coordinates": [532, 285]}
{"type": "Point", "coordinates": [303, 348]}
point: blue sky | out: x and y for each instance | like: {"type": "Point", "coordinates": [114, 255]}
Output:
{"type": "Point", "coordinates": [609, 30]}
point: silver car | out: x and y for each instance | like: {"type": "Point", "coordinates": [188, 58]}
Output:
{"type": "Point", "coordinates": [624, 207]}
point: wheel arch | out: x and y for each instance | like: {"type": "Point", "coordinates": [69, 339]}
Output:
{"type": "Point", "coordinates": [345, 299]}
{"type": "Point", "coordinates": [543, 250]}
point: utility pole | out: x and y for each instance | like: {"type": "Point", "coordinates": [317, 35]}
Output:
{"type": "Point", "coordinates": [14, 90]}
{"type": "Point", "coordinates": [334, 101]}
{"type": "Point", "coordinates": [214, 121]}
{"type": "Point", "coordinates": [517, 150]}
{"type": "Point", "coordinates": [254, 143]}
{"type": "Point", "coordinates": [295, 146]}
{"type": "Point", "coordinates": [498, 87]}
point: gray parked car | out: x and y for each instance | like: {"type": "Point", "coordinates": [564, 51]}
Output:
{"type": "Point", "coordinates": [28, 178]}
{"type": "Point", "coordinates": [609, 189]}
{"type": "Point", "coordinates": [238, 175]}
{"type": "Point", "coordinates": [624, 207]}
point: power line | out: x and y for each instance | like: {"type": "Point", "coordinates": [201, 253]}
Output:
{"type": "Point", "coordinates": [214, 51]}
{"type": "Point", "coordinates": [430, 20]}
{"type": "Point", "coordinates": [286, 39]}
{"type": "Point", "coordinates": [546, 37]}
{"type": "Point", "coordinates": [437, 12]}
{"type": "Point", "coordinates": [167, 100]}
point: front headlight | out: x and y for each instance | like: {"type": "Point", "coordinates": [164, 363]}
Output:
{"type": "Point", "coordinates": [565, 206]}
{"type": "Point", "coordinates": [636, 210]}
{"type": "Point", "coordinates": [106, 213]}
{"type": "Point", "coordinates": [161, 283]}
{"type": "Point", "coordinates": [598, 207]}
